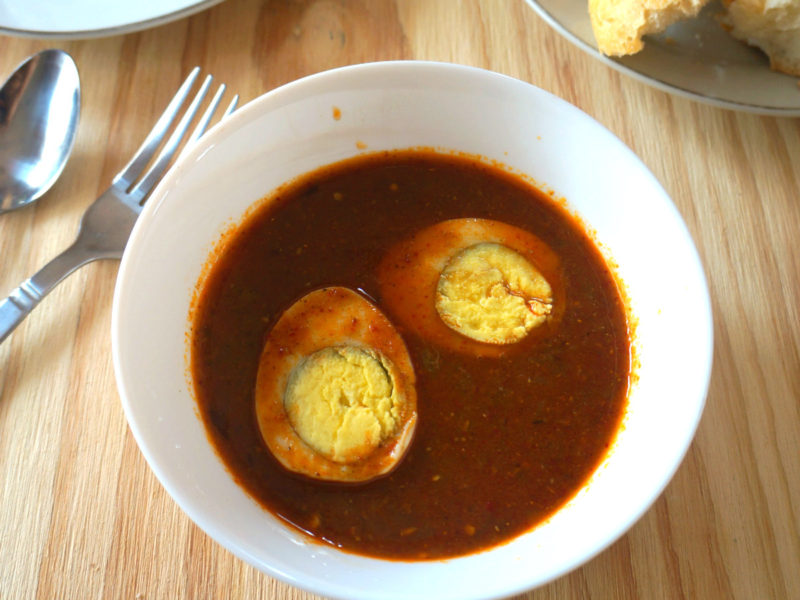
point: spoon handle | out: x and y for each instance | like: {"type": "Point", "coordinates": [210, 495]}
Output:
{"type": "Point", "coordinates": [25, 297]}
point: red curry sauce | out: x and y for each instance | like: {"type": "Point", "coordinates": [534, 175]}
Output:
{"type": "Point", "coordinates": [501, 442]}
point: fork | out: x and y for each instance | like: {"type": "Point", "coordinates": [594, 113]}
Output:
{"type": "Point", "coordinates": [107, 223]}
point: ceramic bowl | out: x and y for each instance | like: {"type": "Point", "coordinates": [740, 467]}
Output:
{"type": "Point", "coordinates": [291, 131]}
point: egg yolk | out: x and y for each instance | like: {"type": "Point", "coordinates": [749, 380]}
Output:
{"type": "Point", "coordinates": [490, 293]}
{"type": "Point", "coordinates": [342, 402]}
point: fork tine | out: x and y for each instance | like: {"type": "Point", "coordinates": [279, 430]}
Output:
{"type": "Point", "coordinates": [134, 168]}
{"type": "Point", "coordinates": [206, 118]}
{"type": "Point", "coordinates": [150, 178]}
{"type": "Point", "coordinates": [231, 106]}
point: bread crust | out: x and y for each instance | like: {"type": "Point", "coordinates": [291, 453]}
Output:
{"type": "Point", "coordinates": [619, 25]}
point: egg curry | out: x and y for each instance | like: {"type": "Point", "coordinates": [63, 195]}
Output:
{"type": "Point", "coordinates": [410, 355]}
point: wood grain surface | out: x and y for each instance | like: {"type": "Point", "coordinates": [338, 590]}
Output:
{"type": "Point", "coordinates": [81, 515]}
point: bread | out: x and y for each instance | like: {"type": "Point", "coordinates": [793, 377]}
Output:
{"type": "Point", "coordinates": [772, 25]}
{"type": "Point", "coordinates": [620, 24]}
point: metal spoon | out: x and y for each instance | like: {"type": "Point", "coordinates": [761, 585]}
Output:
{"type": "Point", "coordinates": [39, 106]}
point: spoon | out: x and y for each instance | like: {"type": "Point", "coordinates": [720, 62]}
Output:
{"type": "Point", "coordinates": [39, 106]}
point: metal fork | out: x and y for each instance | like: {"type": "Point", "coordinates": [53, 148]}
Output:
{"type": "Point", "coordinates": [107, 223]}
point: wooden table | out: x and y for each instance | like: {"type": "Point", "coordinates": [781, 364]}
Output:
{"type": "Point", "coordinates": [81, 515]}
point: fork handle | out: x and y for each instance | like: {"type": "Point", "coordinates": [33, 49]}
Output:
{"type": "Point", "coordinates": [25, 297]}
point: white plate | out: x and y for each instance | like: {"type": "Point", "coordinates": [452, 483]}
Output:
{"type": "Point", "coordinates": [91, 18]}
{"type": "Point", "coordinates": [695, 58]}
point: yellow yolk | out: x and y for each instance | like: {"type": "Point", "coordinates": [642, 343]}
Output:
{"type": "Point", "coordinates": [342, 402]}
{"type": "Point", "coordinates": [492, 294]}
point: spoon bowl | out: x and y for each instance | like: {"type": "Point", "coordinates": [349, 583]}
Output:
{"type": "Point", "coordinates": [39, 108]}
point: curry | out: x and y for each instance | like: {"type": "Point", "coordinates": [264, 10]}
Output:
{"type": "Point", "coordinates": [504, 435]}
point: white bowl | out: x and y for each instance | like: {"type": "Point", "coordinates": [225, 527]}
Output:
{"type": "Point", "coordinates": [290, 131]}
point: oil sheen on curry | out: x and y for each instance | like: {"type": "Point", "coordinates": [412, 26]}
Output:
{"type": "Point", "coordinates": [410, 355]}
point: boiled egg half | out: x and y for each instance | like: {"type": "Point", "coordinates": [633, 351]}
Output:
{"type": "Point", "coordinates": [335, 391]}
{"type": "Point", "coordinates": [474, 285]}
